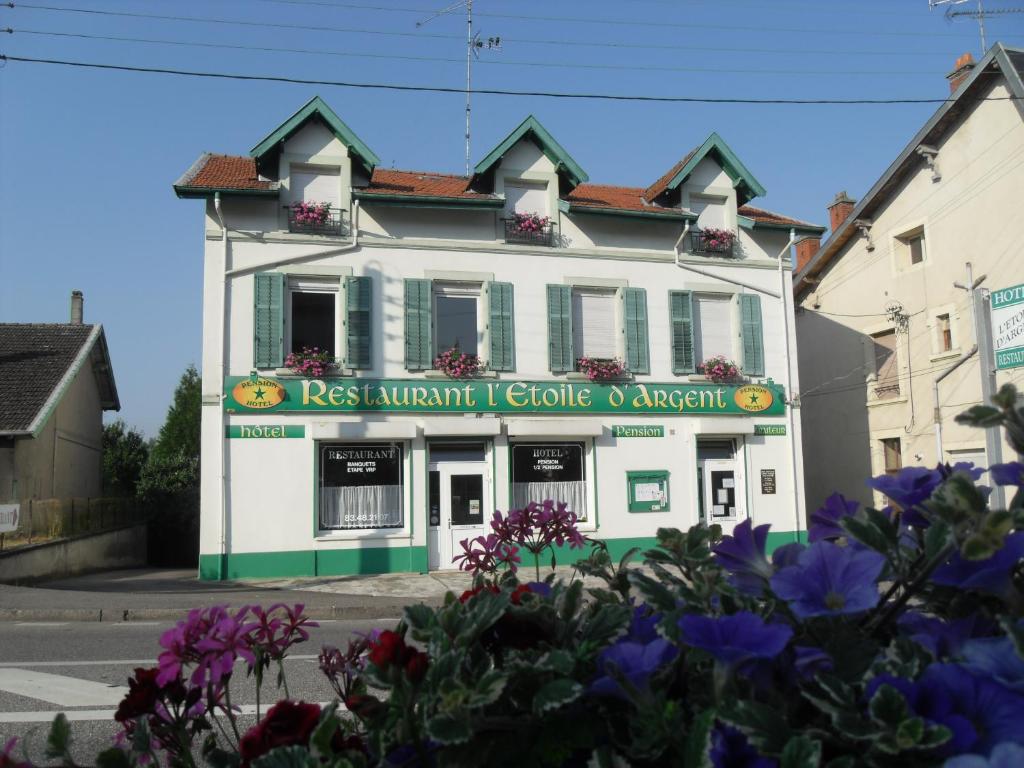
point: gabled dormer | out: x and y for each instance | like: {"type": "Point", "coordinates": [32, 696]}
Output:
{"type": "Point", "coordinates": [317, 159]}
{"type": "Point", "coordinates": [530, 170]}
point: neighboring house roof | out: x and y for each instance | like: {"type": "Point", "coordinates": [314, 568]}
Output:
{"type": "Point", "coordinates": [747, 187]}
{"type": "Point", "coordinates": [38, 362]}
{"type": "Point", "coordinates": [223, 173]}
{"type": "Point", "coordinates": [761, 218]}
{"type": "Point", "coordinates": [555, 152]}
{"type": "Point", "coordinates": [389, 184]}
{"type": "Point", "coordinates": [317, 107]}
{"type": "Point", "coordinates": [1007, 61]}
{"type": "Point", "coordinates": [604, 198]}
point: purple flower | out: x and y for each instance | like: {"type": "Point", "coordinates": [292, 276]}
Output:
{"type": "Point", "coordinates": [941, 638]}
{"type": "Point", "coordinates": [635, 662]}
{"type": "Point", "coordinates": [829, 580]}
{"type": "Point", "coordinates": [997, 658]}
{"type": "Point", "coordinates": [1007, 474]}
{"type": "Point", "coordinates": [1005, 755]}
{"type": "Point", "coordinates": [907, 489]}
{"type": "Point", "coordinates": [730, 749]}
{"type": "Point", "coordinates": [992, 575]}
{"type": "Point", "coordinates": [825, 520]}
{"type": "Point", "coordinates": [809, 661]}
{"type": "Point", "coordinates": [787, 554]}
{"type": "Point", "coordinates": [979, 712]}
{"type": "Point", "coordinates": [643, 624]}
{"type": "Point", "coordinates": [735, 639]}
{"type": "Point", "coordinates": [742, 555]}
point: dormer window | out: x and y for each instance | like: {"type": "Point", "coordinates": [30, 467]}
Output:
{"type": "Point", "coordinates": [315, 200]}
{"type": "Point", "coordinates": [527, 220]}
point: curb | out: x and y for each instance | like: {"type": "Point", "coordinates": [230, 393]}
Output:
{"type": "Point", "coordinates": [112, 615]}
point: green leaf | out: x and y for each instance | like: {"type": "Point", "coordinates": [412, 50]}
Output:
{"type": "Point", "coordinates": [867, 533]}
{"type": "Point", "coordinates": [764, 726]}
{"type": "Point", "coordinates": [981, 416]}
{"type": "Point", "coordinates": [888, 706]}
{"type": "Point", "coordinates": [58, 741]}
{"type": "Point", "coordinates": [934, 736]}
{"type": "Point", "coordinates": [287, 757]}
{"type": "Point", "coordinates": [555, 694]}
{"type": "Point", "coordinates": [698, 741]}
{"type": "Point", "coordinates": [938, 536]}
{"type": "Point", "coordinates": [323, 734]}
{"type": "Point", "coordinates": [113, 758]}
{"type": "Point", "coordinates": [627, 557]}
{"type": "Point", "coordinates": [450, 728]}
{"type": "Point", "coordinates": [570, 600]}
{"type": "Point", "coordinates": [977, 547]}
{"type": "Point", "coordinates": [801, 752]}
{"type": "Point", "coordinates": [558, 661]}
{"type": "Point", "coordinates": [910, 732]}
{"type": "Point", "coordinates": [606, 622]}
{"type": "Point", "coordinates": [488, 688]}
{"type": "Point", "coordinates": [420, 616]}
{"type": "Point", "coordinates": [216, 757]}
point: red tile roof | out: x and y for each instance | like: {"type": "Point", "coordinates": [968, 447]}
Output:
{"type": "Point", "coordinates": [615, 198]}
{"type": "Point", "coordinates": [662, 184]}
{"type": "Point", "coordinates": [421, 184]}
{"type": "Point", "coordinates": [767, 217]}
{"type": "Point", "coordinates": [225, 172]}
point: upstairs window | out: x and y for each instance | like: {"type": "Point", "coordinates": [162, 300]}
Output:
{"type": "Point", "coordinates": [892, 455]}
{"type": "Point", "coordinates": [457, 318]}
{"type": "Point", "coordinates": [523, 197]}
{"type": "Point", "coordinates": [316, 184]}
{"type": "Point", "coordinates": [712, 326]}
{"type": "Point", "coordinates": [311, 318]}
{"type": "Point", "coordinates": [910, 248]}
{"type": "Point", "coordinates": [944, 332]}
{"type": "Point", "coordinates": [887, 382]}
{"type": "Point", "coordinates": [594, 330]}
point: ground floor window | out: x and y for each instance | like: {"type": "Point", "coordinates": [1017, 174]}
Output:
{"type": "Point", "coordinates": [361, 486]}
{"type": "Point", "coordinates": [557, 471]}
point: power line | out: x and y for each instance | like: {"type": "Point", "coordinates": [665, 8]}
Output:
{"type": "Point", "coordinates": [482, 91]}
{"type": "Point", "coordinates": [443, 60]}
{"type": "Point", "coordinates": [624, 22]}
{"type": "Point", "coordinates": [435, 36]}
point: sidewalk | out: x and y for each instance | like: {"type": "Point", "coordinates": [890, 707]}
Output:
{"type": "Point", "coordinates": [149, 594]}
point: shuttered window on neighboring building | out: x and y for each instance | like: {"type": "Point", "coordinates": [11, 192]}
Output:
{"type": "Point", "coordinates": [892, 455]}
{"type": "Point", "coordinates": [887, 381]}
{"type": "Point", "coordinates": [315, 183]}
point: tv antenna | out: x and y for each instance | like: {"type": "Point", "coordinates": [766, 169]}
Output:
{"type": "Point", "coordinates": [952, 14]}
{"type": "Point", "coordinates": [474, 44]}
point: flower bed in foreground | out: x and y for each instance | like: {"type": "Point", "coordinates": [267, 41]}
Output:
{"type": "Point", "coordinates": [894, 638]}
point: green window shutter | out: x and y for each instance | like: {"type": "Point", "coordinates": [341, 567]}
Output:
{"type": "Point", "coordinates": [358, 302]}
{"type": "Point", "coordinates": [502, 327]}
{"type": "Point", "coordinates": [268, 320]}
{"type": "Point", "coordinates": [419, 352]}
{"type": "Point", "coordinates": [752, 334]}
{"type": "Point", "coordinates": [681, 307]}
{"type": "Point", "coordinates": [638, 357]}
{"type": "Point", "coordinates": [560, 353]}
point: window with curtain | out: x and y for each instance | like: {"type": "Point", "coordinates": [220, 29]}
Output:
{"type": "Point", "coordinates": [887, 381]}
{"type": "Point", "coordinates": [556, 471]}
{"type": "Point", "coordinates": [712, 326]}
{"type": "Point", "coordinates": [361, 486]}
{"type": "Point", "coordinates": [594, 330]}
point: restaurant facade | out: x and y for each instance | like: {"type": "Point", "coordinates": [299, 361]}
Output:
{"type": "Point", "coordinates": [585, 311]}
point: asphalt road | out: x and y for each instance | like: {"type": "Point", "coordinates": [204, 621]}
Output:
{"type": "Point", "coordinates": [81, 669]}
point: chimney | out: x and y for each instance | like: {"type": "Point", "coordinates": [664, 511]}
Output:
{"type": "Point", "coordinates": [805, 250]}
{"type": "Point", "coordinates": [961, 70]}
{"type": "Point", "coordinates": [840, 208]}
{"type": "Point", "coordinates": [76, 307]}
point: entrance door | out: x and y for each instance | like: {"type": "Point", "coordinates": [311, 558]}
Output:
{"type": "Point", "coordinates": [720, 484]}
{"type": "Point", "coordinates": [458, 507]}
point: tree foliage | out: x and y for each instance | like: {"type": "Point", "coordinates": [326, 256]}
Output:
{"type": "Point", "coordinates": [179, 436]}
{"type": "Point", "coordinates": [125, 453]}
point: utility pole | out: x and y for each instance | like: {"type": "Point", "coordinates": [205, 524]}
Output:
{"type": "Point", "coordinates": [982, 319]}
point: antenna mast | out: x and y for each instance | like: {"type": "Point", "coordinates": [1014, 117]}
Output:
{"type": "Point", "coordinates": [473, 46]}
{"type": "Point", "coordinates": [951, 14]}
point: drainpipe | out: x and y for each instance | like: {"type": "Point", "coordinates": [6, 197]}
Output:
{"type": "Point", "coordinates": [784, 294]}
{"type": "Point", "coordinates": [222, 417]}
{"type": "Point", "coordinates": [935, 398]}
{"type": "Point", "coordinates": [705, 273]}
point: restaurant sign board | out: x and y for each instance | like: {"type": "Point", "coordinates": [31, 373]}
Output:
{"type": "Point", "coordinates": [248, 394]}
{"type": "Point", "coordinates": [1008, 327]}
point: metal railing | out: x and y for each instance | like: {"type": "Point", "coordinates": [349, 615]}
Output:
{"type": "Point", "coordinates": [515, 233]}
{"type": "Point", "coordinates": [887, 391]}
{"type": "Point", "coordinates": [701, 242]}
{"type": "Point", "coordinates": [332, 222]}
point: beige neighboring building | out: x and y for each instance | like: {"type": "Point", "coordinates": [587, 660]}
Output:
{"type": "Point", "coordinates": [55, 382]}
{"type": "Point", "coordinates": [880, 317]}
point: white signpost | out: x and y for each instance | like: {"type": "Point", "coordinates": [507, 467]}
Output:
{"type": "Point", "coordinates": [9, 517]}
{"type": "Point", "coordinates": [1008, 327]}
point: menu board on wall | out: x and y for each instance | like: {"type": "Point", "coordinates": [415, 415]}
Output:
{"type": "Point", "coordinates": [350, 465]}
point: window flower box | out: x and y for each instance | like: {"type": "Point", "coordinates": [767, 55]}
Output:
{"type": "Point", "coordinates": [601, 369]}
{"type": "Point", "coordinates": [316, 218]}
{"type": "Point", "coordinates": [720, 369]}
{"type": "Point", "coordinates": [711, 240]}
{"type": "Point", "coordinates": [311, 362]}
{"type": "Point", "coordinates": [528, 229]}
{"type": "Point", "coordinates": [458, 365]}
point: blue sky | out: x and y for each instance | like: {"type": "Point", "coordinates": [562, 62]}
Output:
{"type": "Point", "coordinates": [87, 157]}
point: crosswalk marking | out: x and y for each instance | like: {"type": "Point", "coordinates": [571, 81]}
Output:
{"type": "Point", "coordinates": [59, 689]}
{"type": "Point", "coordinates": [101, 714]}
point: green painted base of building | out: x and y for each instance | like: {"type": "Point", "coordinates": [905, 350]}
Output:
{"type": "Point", "coordinates": [370, 560]}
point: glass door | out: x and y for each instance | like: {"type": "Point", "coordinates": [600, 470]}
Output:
{"type": "Point", "coordinates": [723, 493]}
{"type": "Point", "coordinates": [458, 506]}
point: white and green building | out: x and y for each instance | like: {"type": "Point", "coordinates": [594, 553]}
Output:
{"type": "Point", "coordinates": [383, 464]}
